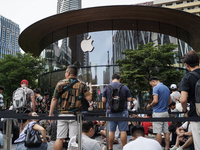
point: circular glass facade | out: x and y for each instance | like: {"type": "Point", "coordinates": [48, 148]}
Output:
{"type": "Point", "coordinates": [97, 66]}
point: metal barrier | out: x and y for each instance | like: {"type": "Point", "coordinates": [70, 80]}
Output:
{"type": "Point", "coordinates": [107, 133]}
{"type": "Point", "coordinates": [95, 115]}
{"type": "Point", "coordinates": [8, 136]}
{"type": "Point", "coordinates": [79, 120]}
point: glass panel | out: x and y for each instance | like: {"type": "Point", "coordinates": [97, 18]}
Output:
{"type": "Point", "coordinates": [108, 46]}
{"type": "Point", "coordinates": [98, 76]}
{"type": "Point", "coordinates": [97, 66]}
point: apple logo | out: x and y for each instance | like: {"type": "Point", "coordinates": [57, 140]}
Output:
{"type": "Point", "coordinates": [86, 45]}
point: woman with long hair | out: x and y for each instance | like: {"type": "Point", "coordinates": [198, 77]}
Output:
{"type": "Point", "coordinates": [33, 126]}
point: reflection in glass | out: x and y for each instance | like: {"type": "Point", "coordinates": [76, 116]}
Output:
{"type": "Point", "coordinates": [97, 67]}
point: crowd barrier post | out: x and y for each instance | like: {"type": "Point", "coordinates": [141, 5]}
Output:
{"type": "Point", "coordinates": [107, 133]}
{"type": "Point", "coordinates": [8, 135]}
{"type": "Point", "coordinates": [79, 121]}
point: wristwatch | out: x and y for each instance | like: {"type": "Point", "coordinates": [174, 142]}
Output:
{"type": "Point", "coordinates": [185, 111]}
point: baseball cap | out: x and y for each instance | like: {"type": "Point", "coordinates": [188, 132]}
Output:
{"type": "Point", "coordinates": [173, 86]}
{"type": "Point", "coordinates": [24, 81]}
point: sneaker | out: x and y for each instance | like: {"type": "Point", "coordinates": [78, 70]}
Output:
{"type": "Point", "coordinates": [180, 148]}
{"type": "Point", "coordinates": [115, 142]}
{"type": "Point", "coordinates": [174, 148]}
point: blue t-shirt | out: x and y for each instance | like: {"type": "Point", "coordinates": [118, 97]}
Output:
{"type": "Point", "coordinates": [124, 91]}
{"type": "Point", "coordinates": [163, 97]}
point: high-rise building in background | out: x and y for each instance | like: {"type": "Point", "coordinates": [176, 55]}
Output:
{"type": "Point", "coordinates": [67, 5]}
{"type": "Point", "coordinates": [190, 6]}
{"type": "Point", "coordinates": [9, 34]}
{"type": "Point", "coordinates": [104, 58]}
{"type": "Point", "coordinates": [129, 39]}
{"type": "Point", "coordinates": [69, 51]}
{"type": "Point", "coordinates": [78, 57]}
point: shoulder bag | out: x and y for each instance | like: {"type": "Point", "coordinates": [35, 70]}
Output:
{"type": "Point", "coordinates": [32, 140]}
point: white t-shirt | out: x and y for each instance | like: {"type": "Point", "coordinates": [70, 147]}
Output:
{"type": "Point", "coordinates": [135, 107]}
{"type": "Point", "coordinates": [142, 143]}
{"type": "Point", "coordinates": [184, 126]}
{"type": "Point", "coordinates": [128, 105]}
{"type": "Point", "coordinates": [179, 107]}
{"type": "Point", "coordinates": [175, 94]}
{"type": "Point", "coordinates": [87, 143]}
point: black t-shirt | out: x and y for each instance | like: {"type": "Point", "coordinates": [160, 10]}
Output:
{"type": "Point", "coordinates": [85, 104]}
{"type": "Point", "coordinates": [188, 83]}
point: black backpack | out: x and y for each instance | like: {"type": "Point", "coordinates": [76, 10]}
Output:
{"type": "Point", "coordinates": [115, 101]}
{"type": "Point", "coordinates": [197, 93]}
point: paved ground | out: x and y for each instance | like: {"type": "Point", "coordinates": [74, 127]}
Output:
{"type": "Point", "coordinates": [99, 139]}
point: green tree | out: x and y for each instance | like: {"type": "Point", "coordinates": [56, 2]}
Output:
{"type": "Point", "coordinates": [148, 60]}
{"type": "Point", "coordinates": [13, 69]}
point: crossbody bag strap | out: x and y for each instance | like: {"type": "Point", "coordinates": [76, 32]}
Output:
{"type": "Point", "coordinates": [70, 86]}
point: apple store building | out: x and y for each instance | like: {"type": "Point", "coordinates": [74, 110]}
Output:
{"type": "Point", "coordinates": [91, 52]}
{"type": "Point", "coordinates": [94, 40]}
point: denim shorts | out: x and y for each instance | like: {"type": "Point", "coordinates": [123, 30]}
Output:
{"type": "Point", "coordinates": [123, 126]}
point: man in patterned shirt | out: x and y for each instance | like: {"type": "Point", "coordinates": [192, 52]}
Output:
{"type": "Point", "coordinates": [1, 97]}
{"type": "Point", "coordinates": [70, 104]}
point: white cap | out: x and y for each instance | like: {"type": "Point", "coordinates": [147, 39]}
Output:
{"type": "Point", "coordinates": [173, 87]}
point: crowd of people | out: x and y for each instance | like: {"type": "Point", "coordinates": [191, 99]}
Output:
{"type": "Point", "coordinates": [72, 97]}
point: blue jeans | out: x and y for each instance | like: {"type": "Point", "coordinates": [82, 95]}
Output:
{"type": "Point", "coordinates": [20, 146]}
{"type": "Point", "coordinates": [123, 126]}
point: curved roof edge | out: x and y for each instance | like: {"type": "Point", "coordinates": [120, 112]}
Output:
{"type": "Point", "coordinates": [179, 24]}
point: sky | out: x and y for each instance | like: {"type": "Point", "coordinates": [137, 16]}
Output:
{"type": "Point", "coordinates": [27, 12]}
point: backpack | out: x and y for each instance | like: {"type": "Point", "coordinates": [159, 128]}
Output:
{"type": "Point", "coordinates": [115, 101]}
{"type": "Point", "coordinates": [71, 104]}
{"type": "Point", "coordinates": [197, 93]}
{"type": "Point", "coordinates": [19, 98]}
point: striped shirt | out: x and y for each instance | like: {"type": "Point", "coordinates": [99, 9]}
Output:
{"type": "Point", "coordinates": [1, 139]}
{"type": "Point", "coordinates": [1, 100]}
{"type": "Point", "coordinates": [22, 136]}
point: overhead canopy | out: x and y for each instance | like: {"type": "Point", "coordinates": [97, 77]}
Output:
{"type": "Point", "coordinates": [180, 24]}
